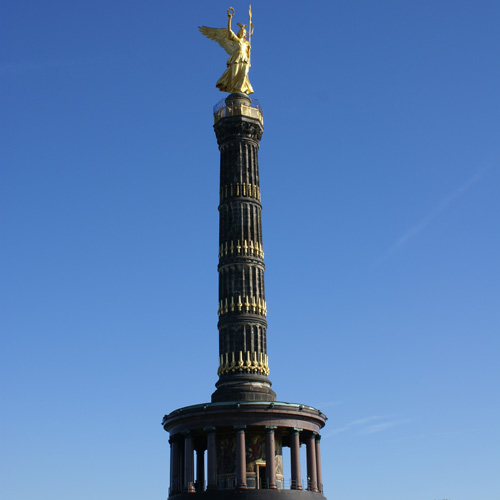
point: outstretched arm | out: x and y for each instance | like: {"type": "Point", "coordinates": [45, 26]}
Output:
{"type": "Point", "coordinates": [230, 13]}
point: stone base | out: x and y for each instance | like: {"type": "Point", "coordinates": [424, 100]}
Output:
{"type": "Point", "coordinates": [239, 494]}
{"type": "Point", "coordinates": [243, 387]}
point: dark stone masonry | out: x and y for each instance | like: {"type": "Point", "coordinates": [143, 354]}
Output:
{"type": "Point", "coordinates": [232, 447]}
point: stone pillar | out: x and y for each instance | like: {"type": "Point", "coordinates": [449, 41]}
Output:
{"type": "Point", "coordinates": [318, 464]}
{"type": "Point", "coordinates": [270, 457]}
{"type": "Point", "coordinates": [295, 458]}
{"type": "Point", "coordinates": [211, 458]}
{"type": "Point", "coordinates": [188, 464]}
{"type": "Point", "coordinates": [174, 466]}
{"type": "Point", "coordinates": [312, 473]}
{"type": "Point", "coordinates": [241, 458]}
{"type": "Point", "coordinates": [242, 300]}
{"type": "Point", "coordinates": [200, 470]}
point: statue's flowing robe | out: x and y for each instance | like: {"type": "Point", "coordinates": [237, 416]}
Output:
{"type": "Point", "coordinates": [235, 78]}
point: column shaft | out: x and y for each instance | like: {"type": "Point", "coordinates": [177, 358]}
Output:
{"type": "Point", "coordinates": [241, 460]}
{"type": "Point", "coordinates": [318, 464]}
{"type": "Point", "coordinates": [174, 466]}
{"type": "Point", "coordinates": [242, 301]}
{"type": "Point", "coordinates": [188, 464]}
{"type": "Point", "coordinates": [211, 460]}
{"type": "Point", "coordinates": [270, 458]}
{"type": "Point", "coordinates": [295, 459]}
{"type": "Point", "coordinates": [312, 474]}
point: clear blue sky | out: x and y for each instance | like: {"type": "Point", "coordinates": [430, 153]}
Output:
{"type": "Point", "coordinates": [381, 193]}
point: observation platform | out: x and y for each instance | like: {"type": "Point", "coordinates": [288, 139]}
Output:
{"type": "Point", "coordinates": [238, 105]}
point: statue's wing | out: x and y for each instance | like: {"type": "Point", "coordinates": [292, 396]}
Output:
{"type": "Point", "coordinates": [225, 38]}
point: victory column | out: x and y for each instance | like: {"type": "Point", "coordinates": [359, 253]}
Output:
{"type": "Point", "coordinates": [243, 429]}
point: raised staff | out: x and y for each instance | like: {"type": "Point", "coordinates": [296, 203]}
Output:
{"type": "Point", "coordinates": [250, 25]}
{"type": "Point", "coordinates": [235, 78]}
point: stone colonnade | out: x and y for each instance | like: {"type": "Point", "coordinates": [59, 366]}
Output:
{"type": "Point", "coordinates": [184, 445]}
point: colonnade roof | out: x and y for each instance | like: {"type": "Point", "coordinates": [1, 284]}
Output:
{"type": "Point", "coordinates": [244, 413]}
{"type": "Point", "coordinates": [237, 404]}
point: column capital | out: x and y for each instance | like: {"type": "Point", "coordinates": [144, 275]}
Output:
{"type": "Point", "coordinates": [239, 428]}
{"type": "Point", "coordinates": [209, 429]}
{"type": "Point", "coordinates": [317, 436]}
{"type": "Point", "coordinates": [296, 430]}
{"type": "Point", "coordinates": [271, 428]}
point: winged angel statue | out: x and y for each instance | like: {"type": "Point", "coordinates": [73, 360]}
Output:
{"type": "Point", "coordinates": [235, 78]}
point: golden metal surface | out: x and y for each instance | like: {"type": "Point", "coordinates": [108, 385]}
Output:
{"type": "Point", "coordinates": [235, 78]}
{"type": "Point", "coordinates": [256, 248]}
{"type": "Point", "coordinates": [246, 189]}
{"type": "Point", "coordinates": [251, 304]}
{"type": "Point", "coordinates": [249, 362]}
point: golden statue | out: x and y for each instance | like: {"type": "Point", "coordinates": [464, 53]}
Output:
{"type": "Point", "coordinates": [235, 78]}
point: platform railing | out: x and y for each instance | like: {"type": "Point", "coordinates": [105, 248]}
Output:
{"type": "Point", "coordinates": [253, 109]}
